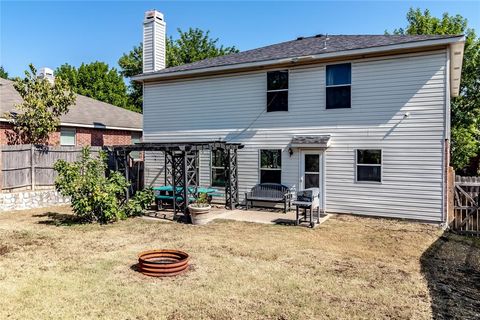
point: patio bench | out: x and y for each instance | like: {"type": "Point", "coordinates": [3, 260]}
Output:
{"type": "Point", "coordinates": [269, 192]}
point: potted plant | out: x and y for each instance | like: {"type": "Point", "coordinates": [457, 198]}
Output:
{"type": "Point", "coordinates": [199, 210]}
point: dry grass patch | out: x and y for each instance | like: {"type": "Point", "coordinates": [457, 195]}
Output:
{"type": "Point", "coordinates": [347, 268]}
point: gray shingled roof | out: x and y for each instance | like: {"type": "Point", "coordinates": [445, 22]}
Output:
{"type": "Point", "coordinates": [86, 111]}
{"type": "Point", "coordinates": [304, 47]}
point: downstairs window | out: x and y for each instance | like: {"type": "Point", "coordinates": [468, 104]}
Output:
{"type": "Point", "coordinates": [369, 165]}
{"type": "Point", "coordinates": [218, 168]}
{"type": "Point", "coordinates": [271, 166]}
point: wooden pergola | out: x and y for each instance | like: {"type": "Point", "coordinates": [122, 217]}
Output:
{"type": "Point", "coordinates": [181, 168]}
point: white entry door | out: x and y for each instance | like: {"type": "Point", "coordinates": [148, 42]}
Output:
{"type": "Point", "coordinates": [311, 168]}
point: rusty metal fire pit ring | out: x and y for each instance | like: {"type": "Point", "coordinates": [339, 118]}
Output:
{"type": "Point", "coordinates": [163, 263]}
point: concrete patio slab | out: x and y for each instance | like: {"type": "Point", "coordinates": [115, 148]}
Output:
{"type": "Point", "coordinates": [262, 216]}
{"type": "Point", "coordinates": [259, 215]}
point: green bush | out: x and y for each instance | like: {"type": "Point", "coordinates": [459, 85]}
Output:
{"type": "Point", "coordinates": [95, 196]}
{"type": "Point", "coordinates": [139, 202]}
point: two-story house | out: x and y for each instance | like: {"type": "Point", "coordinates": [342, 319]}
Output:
{"type": "Point", "coordinates": [366, 118]}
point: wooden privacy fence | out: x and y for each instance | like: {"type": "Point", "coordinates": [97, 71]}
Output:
{"type": "Point", "coordinates": [466, 218]}
{"type": "Point", "coordinates": [29, 166]}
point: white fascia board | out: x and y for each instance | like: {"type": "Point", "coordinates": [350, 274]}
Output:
{"type": "Point", "coordinates": [93, 126]}
{"type": "Point", "coordinates": [456, 60]}
{"type": "Point", "coordinates": [448, 93]}
{"type": "Point", "coordinates": [293, 60]}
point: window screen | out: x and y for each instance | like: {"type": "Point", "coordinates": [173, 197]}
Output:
{"type": "Point", "coordinates": [277, 91]}
{"type": "Point", "coordinates": [136, 138]}
{"type": "Point", "coordinates": [369, 165]}
{"type": "Point", "coordinates": [67, 136]}
{"type": "Point", "coordinates": [270, 166]}
{"type": "Point", "coordinates": [338, 86]}
{"type": "Point", "coordinates": [218, 168]}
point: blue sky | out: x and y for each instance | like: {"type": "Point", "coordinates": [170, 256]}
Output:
{"type": "Point", "coordinates": [53, 33]}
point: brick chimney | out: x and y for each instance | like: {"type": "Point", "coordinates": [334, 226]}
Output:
{"type": "Point", "coordinates": [154, 33]}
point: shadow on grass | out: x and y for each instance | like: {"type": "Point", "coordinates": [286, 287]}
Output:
{"type": "Point", "coordinates": [284, 222]}
{"type": "Point", "coordinates": [167, 214]}
{"type": "Point", "coordinates": [60, 219]}
{"type": "Point", "coordinates": [451, 266]}
{"type": "Point", "coordinates": [134, 267]}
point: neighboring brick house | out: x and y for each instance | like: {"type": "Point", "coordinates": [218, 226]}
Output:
{"type": "Point", "coordinates": [88, 123]}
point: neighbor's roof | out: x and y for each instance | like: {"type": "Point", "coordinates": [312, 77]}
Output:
{"type": "Point", "coordinates": [86, 112]}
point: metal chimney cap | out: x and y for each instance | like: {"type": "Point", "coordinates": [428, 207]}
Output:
{"type": "Point", "coordinates": [153, 14]}
{"type": "Point", "coordinates": [47, 74]}
{"type": "Point", "coordinates": [44, 72]}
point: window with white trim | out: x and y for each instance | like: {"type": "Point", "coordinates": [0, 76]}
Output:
{"type": "Point", "coordinates": [218, 168]}
{"type": "Point", "coordinates": [369, 165]}
{"type": "Point", "coordinates": [277, 91]}
{"type": "Point", "coordinates": [67, 136]}
{"type": "Point", "coordinates": [271, 166]}
{"type": "Point", "coordinates": [136, 138]}
{"type": "Point", "coordinates": [339, 86]}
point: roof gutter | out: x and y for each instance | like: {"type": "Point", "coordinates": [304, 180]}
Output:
{"type": "Point", "coordinates": [98, 126]}
{"type": "Point", "coordinates": [316, 57]}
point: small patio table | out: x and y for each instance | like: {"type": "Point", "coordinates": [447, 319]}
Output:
{"type": "Point", "coordinates": [165, 193]}
{"type": "Point", "coordinates": [199, 189]}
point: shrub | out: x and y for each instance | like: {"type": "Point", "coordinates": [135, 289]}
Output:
{"type": "Point", "coordinates": [139, 202]}
{"type": "Point", "coordinates": [95, 196]}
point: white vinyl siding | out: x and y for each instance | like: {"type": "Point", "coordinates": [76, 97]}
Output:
{"type": "Point", "coordinates": [153, 39]}
{"type": "Point", "coordinates": [155, 168]}
{"type": "Point", "coordinates": [205, 179]}
{"type": "Point", "coordinates": [231, 107]}
{"type": "Point", "coordinates": [159, 46]}
{"type": "Point", "coordinates": [148, 47]}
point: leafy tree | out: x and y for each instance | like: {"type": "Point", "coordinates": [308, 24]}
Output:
{"type": "Point", "coordinates": [192, 45]}
{"type": "Point", "coordinates": [466, 107]}
{"type": "Point", "coordinates": [3, 73]}
{"type": "Point", "coordinates": [131, 65]}
{"type": "Point", "coordinates": [39, 113]}
{"type": "Point", "coordinates": [464, 144]}
{"type": "Point", "coordinates": [96, 80]}
{"type": "Point", "coordinates": [95, 196]}
{"type": "Point", "coordinates": [68, 73]}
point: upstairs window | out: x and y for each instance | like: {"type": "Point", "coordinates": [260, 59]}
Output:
{"type": "Point", "coordinates": [270, 166]}
{"type": "Point", "coordinates": [339, 86]}
{"type": "Point", "coordinates": [277, 91]}
{"type": "Point", "coordinates": [369, 165]}
{"type": "Point", "coordinates": [218, 168]}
